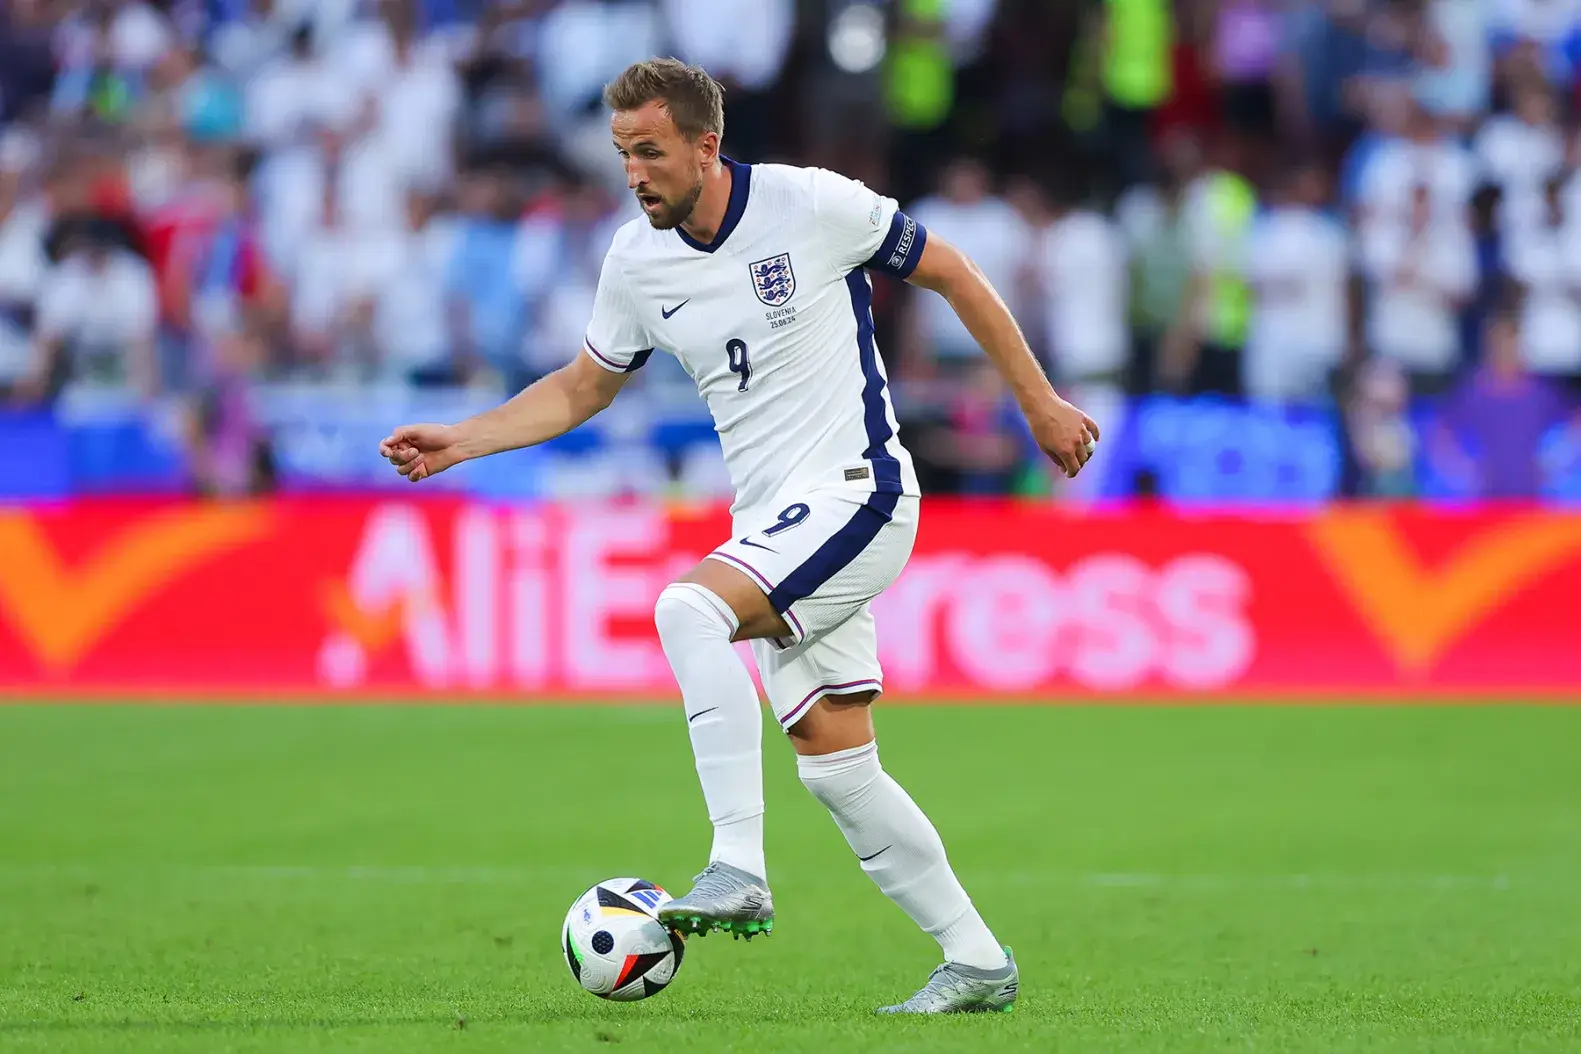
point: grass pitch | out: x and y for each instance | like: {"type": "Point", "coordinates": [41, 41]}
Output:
{"type": "Point", "coordinates": [391, 880]}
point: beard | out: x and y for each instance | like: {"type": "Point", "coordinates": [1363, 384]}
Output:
{"type": "Point", "coordinates": [672, 214]}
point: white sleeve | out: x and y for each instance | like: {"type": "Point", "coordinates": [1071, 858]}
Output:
{"type": "Point", "coordinates": [1454, 267]}
{"type": "Point", "coordinates": [862, 228]}
{"type": "Point", "coordinates": [57, 304]}
{"type": "Point", "coordinates": [1380, 250]}
{"type": "Point", "coordinates": [1520, 262]}
{"type": "Point", "coordinates": [616, 338]}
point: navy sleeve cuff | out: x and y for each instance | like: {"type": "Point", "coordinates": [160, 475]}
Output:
{"type": "Point", "coordinates": [638, 359]}
{"type": "Point", "coordinates": [902, 247]}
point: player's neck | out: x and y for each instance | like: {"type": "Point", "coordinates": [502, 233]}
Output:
{"type": "Point", "coordinates": [709, 213]}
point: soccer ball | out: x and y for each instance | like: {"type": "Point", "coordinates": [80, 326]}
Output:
{"type": "Point", "coordinates": [615, 944]}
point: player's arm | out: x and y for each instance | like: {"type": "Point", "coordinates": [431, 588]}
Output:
{"type": "Point", "coordinates": [549, 407]}
{"type": "Point", "coordinates": [617, 345]}
{"type": "Point", "coordinates": [1061, 429]}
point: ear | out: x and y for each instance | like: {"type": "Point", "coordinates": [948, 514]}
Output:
{"type": "Point", "coordinates": [708, 148]}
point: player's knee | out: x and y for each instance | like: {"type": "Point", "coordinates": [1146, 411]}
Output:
{"type": "Point", "coordinates": [688, 611]}
{"type": "Point", "coordinates": [833, 724]}
{"type": "Point", "coordinates": [838, 777]}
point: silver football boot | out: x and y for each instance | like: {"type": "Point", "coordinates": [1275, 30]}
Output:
{"type": "Point", "coordinates": [957, 989]}
{"type": "Point", "coordinates": [724, 898]}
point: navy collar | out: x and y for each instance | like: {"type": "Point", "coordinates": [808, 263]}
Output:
{"type": "Point", "coordinates": [740, 186]}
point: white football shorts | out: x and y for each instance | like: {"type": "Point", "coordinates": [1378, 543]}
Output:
{"type": "Point", "coordinates": [821, 559]}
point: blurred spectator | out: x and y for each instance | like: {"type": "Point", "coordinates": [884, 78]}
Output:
{"type": "Point", "coordinates": [337, 275]}
{"type": "Point", "coordinates": [1521, 150]}
{"type": "Point", "coordinates": [85, 185]}
{"type": "Point", "coordinates": [1488, 243]}
{"type": "Point", "coordinates": [243, 45]}
{"type": "Point", "coordinates": [580, 45]}
{"type": "Point", "coordinates": [745, 54]}
{"type": "Point", "coordinates": [230, 454]}
{"type": "Point", "coordinates": [1380, 435]}
{"type": "Point", "coordinates": [27, 60]}
{"type": "Point", "coordinates": [411, 328]}
{"type": "Point", "coordinates": [919, 93]}
{"type": "Point", "coordinates": [207, 254]}
{"type": "Point", "coordinates": [1544, 258]}
{"type": "Point", "coordinates": [1420, 155]}
{"type": "Point", "coordinates": [1492, 425]}
{"type": "Point", "coordinates": [293, 90]}
{"type": "Point", "coordinates": [1397, 43]}
{"type": "Point", "coordinates": [488, 319]}
{"type": "Point", "coordinates": [1326, 56]}
{"type": "Point", "coordinates": [23, 222]}
{"type": "Point", "coordinates": [975, 440]}
{"type": "Point", "coordinates": [1536, 36]}
{"type": "Point", "coordinates": [1137, 65]}
{"type": "Point", "coordinates": [967, 213]}
{"type": "Point", "coordinates": [418, 194]}
{"type": "Point", "coordinates": [1298, 265]}
{"type": "Point", "coordinates": [559, 251]}
{"type": "Point", "coordinates": [417, 97]}
{"type": "Point", "coordinates": [1082, 268]}
{"type": "Point", "coordinates": [1246, 47]}
{"type": "Point", "coordinates": [299, 113]}
{"type": "Point", "coordinates": [104, 51]}
{"type": "Point", "coordinates": [1421, 269]}
{"type": "Point", "coordinates": [1202, 353]}
{"type": "Point", "coordinates": [97, 310]}
{"type": "Point", "coordinates": [1455, 80]}
{"type": "Point", "coordinates": [1154, 222]}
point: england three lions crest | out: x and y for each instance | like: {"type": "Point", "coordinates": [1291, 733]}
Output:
{"type": "Point", "coordinates": [773, 280]}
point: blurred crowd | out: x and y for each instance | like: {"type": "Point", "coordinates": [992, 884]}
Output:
{"type": "Point", "coordinates": [1370, 205]}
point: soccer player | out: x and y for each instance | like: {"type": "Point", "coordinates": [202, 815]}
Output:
{"type": "Point", "coordinates": [754, 276]}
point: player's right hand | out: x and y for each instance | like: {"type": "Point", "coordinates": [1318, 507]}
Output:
{"type": "Point", "coordinates": [420, 451]}
{"type": "Point", "coordinates": [1066, 435]}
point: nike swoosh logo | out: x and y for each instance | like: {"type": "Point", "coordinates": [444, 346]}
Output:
{"type": "Point", "coordinates": [667, 312]}
{"type": "Point", "coordinates": [881, 852]}
{"type": "Point", "coordinates": [693, 717]}
{"type": "Point", "coordinates": [758, 545]}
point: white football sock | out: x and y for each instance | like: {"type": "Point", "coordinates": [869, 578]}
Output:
{"type": "Point", "coordinates": [900, 851]}
{"type": "Point", "coordinates": [722, 715]}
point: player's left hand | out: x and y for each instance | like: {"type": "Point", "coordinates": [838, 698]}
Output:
{"type": "Point", "coordinates": [1066, 435]}
{"type": "Point", "coordinates": [420, 451]}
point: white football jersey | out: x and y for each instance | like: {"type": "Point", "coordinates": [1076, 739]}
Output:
{"type": "Point", "coordinates": [772, 319]}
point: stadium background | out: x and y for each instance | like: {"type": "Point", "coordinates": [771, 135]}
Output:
{"type": "Point", "coordinates": [1315, 267]}
{"type": "Point", "coordinates": [240, 239]}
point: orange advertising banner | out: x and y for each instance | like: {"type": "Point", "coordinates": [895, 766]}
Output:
{"type": "Point", "coordinates": [312, 599]}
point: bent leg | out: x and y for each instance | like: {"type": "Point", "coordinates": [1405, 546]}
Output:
{"type": "Point", "coordinates": [898, 847]}
{"type": "Point", "coordinates": [697, 620]}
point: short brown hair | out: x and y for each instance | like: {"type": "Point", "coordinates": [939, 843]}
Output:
{"type": "Point", "coordinates": [693, 99]}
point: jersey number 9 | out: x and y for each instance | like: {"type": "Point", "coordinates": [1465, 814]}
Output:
{"type": "Point", "coordinates": [739, 362]}
{"type": "Point", "coordinates": [788, 518]}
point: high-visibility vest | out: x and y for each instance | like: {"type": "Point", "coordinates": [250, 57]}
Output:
{"type": "Point", "coordinates": [1138, 70]}
{"type": "Point", "coordinates": [920, 78]}
{"type": "Point", "coordinates": [1232, 205]}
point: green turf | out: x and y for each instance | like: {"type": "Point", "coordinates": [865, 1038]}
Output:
{"type": "Point", "coordinates": [218, 879]}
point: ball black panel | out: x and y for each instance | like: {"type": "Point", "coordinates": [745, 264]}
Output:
{"type": "Point", "coordinates": [603, 942]}
{"type": "Point", "coordinates": [608, 898]}
{"type": "Point", "coordinates": [645, 963]}
{"type": "Point", "coordinates": [570, 957]}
